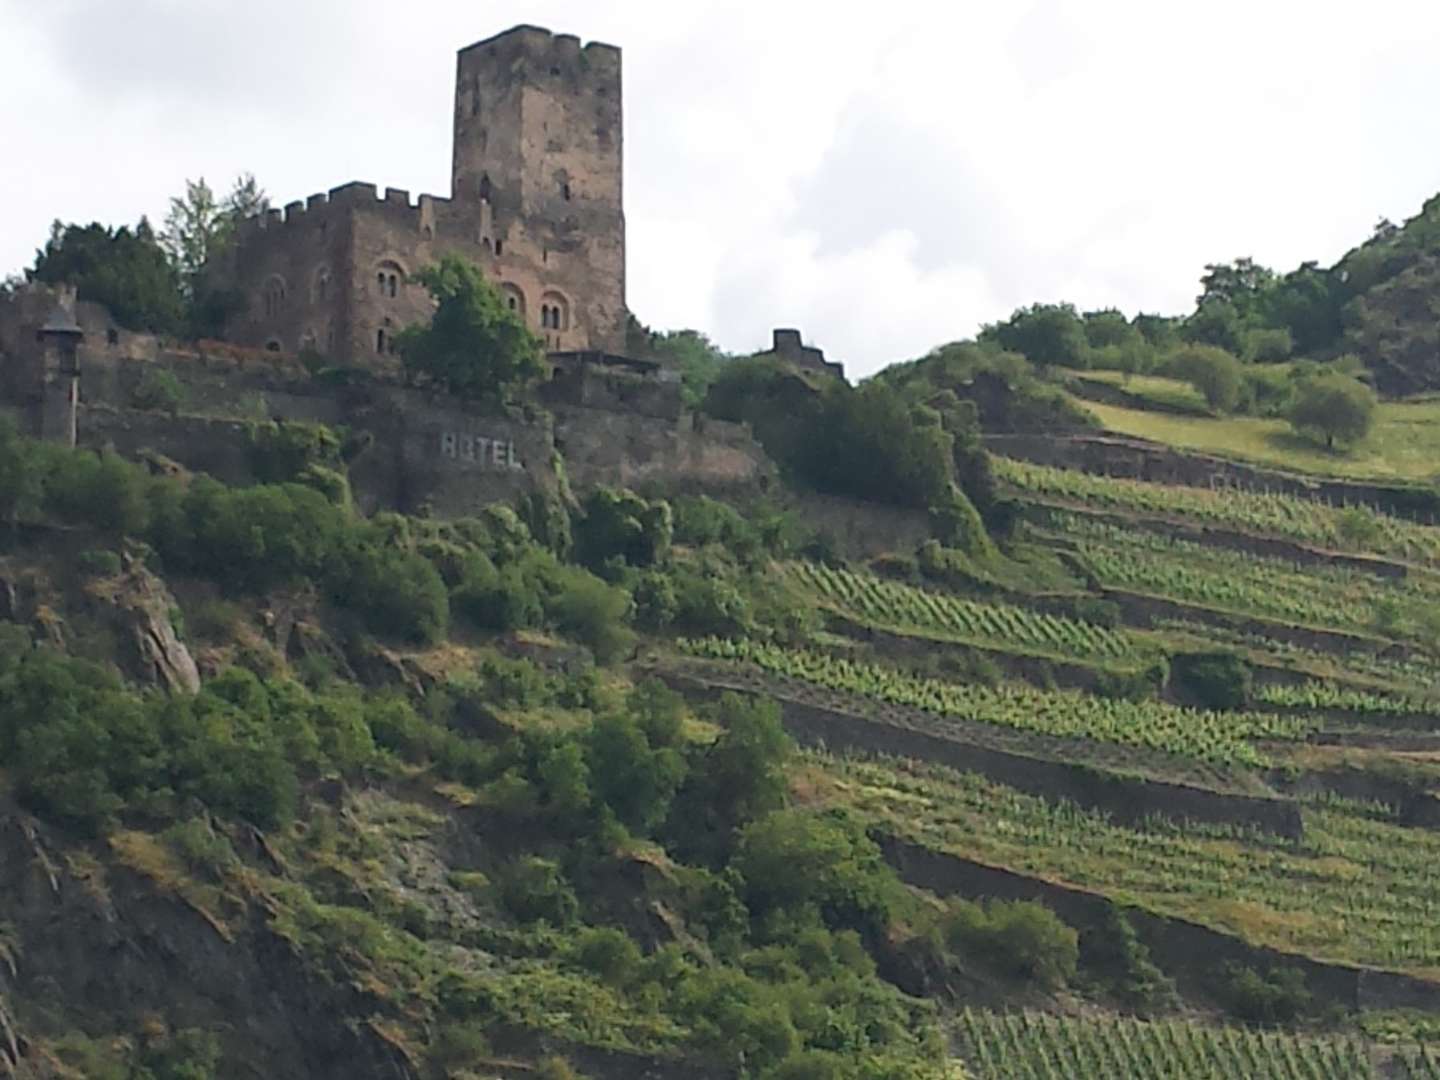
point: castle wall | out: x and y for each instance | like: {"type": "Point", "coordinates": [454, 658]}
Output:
{"type": "Point", "coordinates": [629, 450]}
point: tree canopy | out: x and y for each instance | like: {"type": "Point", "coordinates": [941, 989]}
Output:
{"type": "Point", "coordinates": [125, 269]}
{"type": "Point", "coordinates": [475, 346]}
{"type": "Point", "coordinates": [1334, 407]}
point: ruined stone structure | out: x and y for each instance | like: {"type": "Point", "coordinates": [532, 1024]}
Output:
{"type": "Point", "coordinates": [788, 348]}
{"type": "Point", "coordinates": [536, 202]}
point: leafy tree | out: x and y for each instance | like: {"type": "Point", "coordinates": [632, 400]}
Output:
{"type": "Point", "coordinates": [1268, 345]}
{"type": "Point", "coordinates": [620, 524]}
{"type": "Point", "coordinates": [1108, 327]}
{"type": "Point", "coordinates": [126, 270]}
{"type": "Point", "coordinates": [1216, 322]}
{"type": "Point", "coordinates": [475, 346]}
{"type": "Point", "coordinates": [1243, 284]}
{"type": "Point", "coordinates": [1335, 407]}
{"type": "Point", "coordinates": [1160, 331]}
{"type": "Point", "coordinates": [698, 359]}
{"type": "Point", "coordinates": [1048, 335]}
{"type": "Point", "coordinates": [1212, 371]}
{"type": "Point", "coordinates": [21, 483]}
{"type": "Point", "coordinates": [199, 230]}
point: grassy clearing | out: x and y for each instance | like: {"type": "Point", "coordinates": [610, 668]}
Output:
{"type": "Point", "coordinates": [1157, 388]}
{"type": "Point", "coordinates": [1357, 889]}
{"type": "Point", "coordinates": [1404, 444]}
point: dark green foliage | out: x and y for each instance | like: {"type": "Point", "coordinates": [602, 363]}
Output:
{"type": "Point", "coordinates": [621, 525]}
{"type": "Point", "coordinates": [535, 890]}
{"type": "Point", "coordinates": [1019, 939]}
{"type": "Point", "coordinates": [689, 352]}
{"type": "Point", "coordinates": [1333, 407]}
{"type": "Point", "coordinates": [1218, 680]}
{"type": "Point", "coordinates": [792, 861]}
{"type": "Point", "coordinates": [126, 270]}
{"type": "Point", "coordinates": [280, 451]}
{"type": "Point", "coordinates": [1001, 388]}
{"type": "Point", "coordinates": [740, 778]}
{"type": "Point", "coordinates": [634, 779]}
{"type": "Point", "coordinates": [1117, 961]}
{"type": "Point", "coordinates": [875, 442]}
{"type": "Point", "coordinates": [1048, 335]}
{"type": "Point", "coordinates": [1212, 371]}
{"type": "Point", "coordinates": [100, 562]}
{"type": "Point", "coordinates": [609, 954]}
{"type": "Point", "coordinates": [1275, 997]}
{"type": "Point", "coordinates": [475, 346]}
{"type": "Point", "coordinates": [159, 391]}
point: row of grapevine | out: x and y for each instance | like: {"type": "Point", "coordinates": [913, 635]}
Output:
{"type": "Point", "coordinates": [1217, 738]}
{"type": "Point", "coordinates": [1358, 888]}
{"type": "Point", "coordinates": [1250, 584]}
{"type": "Point", "coordinates": [1322, 695]}
{"type": "Point", "coordinates": [1037, 1046]}
{"type": "Point", "coordinates": [892, 604]}
{"type": "Point", "coordinates": [1287, 516]}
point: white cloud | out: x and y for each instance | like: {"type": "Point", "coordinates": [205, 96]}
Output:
{"type": "Point", "coordinates": [886, 180]}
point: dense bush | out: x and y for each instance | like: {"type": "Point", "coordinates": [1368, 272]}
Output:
{"type": "Point", "coordinates": [1275, 997]}
{"type": "Point", "coordinates": [1020, 939]}
{"type": "Point", "coordinates": [1213, 680]}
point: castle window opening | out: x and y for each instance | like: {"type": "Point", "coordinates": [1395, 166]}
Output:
{"type": "Point", "coordinates": [499, 249]}
{"type": "Point", "coordinates": [112, 336]}
{"type": "Point", "coordinates": [274, 296]}
{"type": "Point", "coordinates": [555, 312]}
{"type": "Point", "coordinates": [380, 341]}
{"type": "Point", "coordinates": [485, 188]}
{"type": "Point", "coordinates": [565, 191]}
{"type": "Point", "coordinates": [393, 282]}
{"type": "Point", "coordinates": [272, 345]}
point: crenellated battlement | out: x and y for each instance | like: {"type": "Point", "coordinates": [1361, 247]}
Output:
{"type": "Point", "coordinates": [326, 206]}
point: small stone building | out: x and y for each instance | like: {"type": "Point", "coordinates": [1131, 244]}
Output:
{"type": "Point", "coordinates": [536, 203]}
{"type": "Point", "coordinates": [788, 347]}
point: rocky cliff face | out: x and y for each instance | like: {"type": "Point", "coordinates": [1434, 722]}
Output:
{"type": "Point", "coordinates": [142, 610]}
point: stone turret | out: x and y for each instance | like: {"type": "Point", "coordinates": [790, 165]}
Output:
{"type": "Point", "coordinates": [57, 382]}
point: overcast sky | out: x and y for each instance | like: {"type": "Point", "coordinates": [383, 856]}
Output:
{"type": "Point", "coordinates": [886, 176]}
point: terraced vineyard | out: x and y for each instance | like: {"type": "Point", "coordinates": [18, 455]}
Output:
{"type": "Point", "coordinates": [894, 605]}
{"type": "Point", "coordinates": [1304, 520]}
{"type": "Point", "coordinates": [1036, 1046]}
{"type": "Point", "coordinates": [1319, 695]}
{"type": "Point", "coordinates": [1217, 738]}
{"type": "Point", "coordinates": [1251, 585]}
{"type": "Point", "coordinates": [1357, 889]}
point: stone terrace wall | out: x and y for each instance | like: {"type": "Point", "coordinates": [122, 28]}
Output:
{"type": "Point", "coordinates": [1139, 459]}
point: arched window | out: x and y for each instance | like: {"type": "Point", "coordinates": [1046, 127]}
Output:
{"type": "Point", "coordinates": [485, 188]}
{"type": "Point", "coordinates": [514, 298]}
{"type": "Point", "coordinates": [499, 246]}
{"type": "Point", "coordinates": [554, 312]}
{"type": "Point", "coordinates": [565, 191]}
{"type": "Point", "coordinates": [389, 278]}
{"type": "Point", "coordinates": [273, 298]}
{"type": "Point", "coordinates": [380, 340]}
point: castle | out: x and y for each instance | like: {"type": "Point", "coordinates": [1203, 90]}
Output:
{"type": "Point", "coordinates": [536, 203]}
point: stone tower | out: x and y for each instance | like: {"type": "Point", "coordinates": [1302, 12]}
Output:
{"type": "Point", "coordinates": [536, 203]}
{"type": "Point", "coordinates": [538, 154]}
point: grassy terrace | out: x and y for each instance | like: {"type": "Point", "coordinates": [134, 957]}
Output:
{"type": "Point", "coordinates": [1041, 1046]}
{"type": "Point", "coordinates": [1404, 444]}
{"type": "Point", "coordinates": [1304, 520]}
{"type": "Point", "coordinates": [1356, 889]}
{"type": "Point", "coordinates": [896, 606]}
{"type": "Point", "coordinates": [1314, 595]}
{"type": "Point", "coordinates": [1215, 738]}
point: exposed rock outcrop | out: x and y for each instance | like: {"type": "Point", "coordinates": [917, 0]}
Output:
{"type": "Point", "coordinates": [141, 607]}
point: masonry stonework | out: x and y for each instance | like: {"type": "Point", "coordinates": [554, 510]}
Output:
{"type": "Point", "coordinates": [536, 202]}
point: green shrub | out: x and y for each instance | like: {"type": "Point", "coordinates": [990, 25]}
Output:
{"type": "Point", "coordinates": [609, 954]}
{"type": "Point", "coordinates": [1020, 939]}
{"type": "Point", "coordinates": [1213, 680]}
{"type": "Point", "coordinates": [158, 391]}
{"type": "Point", "coordinates": [98, 562]}
{"type": "Point", "coordinates": [1275, 997]}
{"type": "Point", "coordinates": [534, 890]}
{"type": "Point", "coordinates": [1114, 957]}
